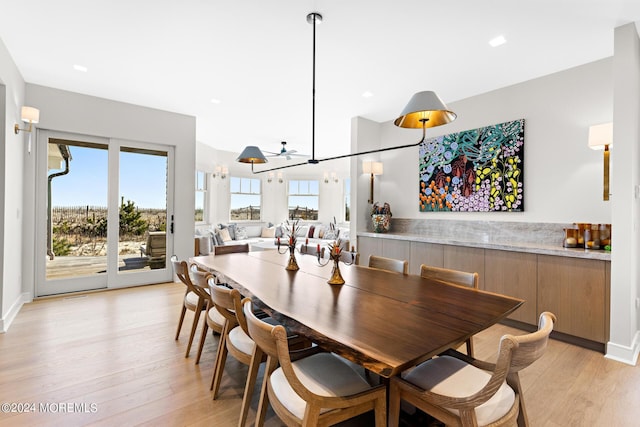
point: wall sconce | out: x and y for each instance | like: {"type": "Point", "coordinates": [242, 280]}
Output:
{"type": "Point", "coordinates": [29, 115]}
{"type": "Point", "coordinates": [334, 177]}
{"type": "Point", "coordinates": [221, 171]}
{"type": "Point", "coordinates": [373, 168]}
{"type": "Point", "coordinates": [271, 176]}
{"type": "Point", "coordinates": [601, 138]}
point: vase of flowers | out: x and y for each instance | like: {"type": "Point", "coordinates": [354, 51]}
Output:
{"type": "Point", "coordinates": [291, 230]}
{"type": "Point", "coordinates": [381, 217]}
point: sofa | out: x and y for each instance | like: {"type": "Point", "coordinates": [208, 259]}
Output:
{"type": "Point", "coordinates": [262, 235]}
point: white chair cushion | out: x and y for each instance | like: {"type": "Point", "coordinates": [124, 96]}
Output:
{"type": "Point", "coordinates": [191, 298]}
{"type": "Point", "coordinates": [449, 376]}
{"type": "Point", "coordinates": [324, 374]}
{"type": "Point", "coordinates": [216, 317]}
{"type": "Point", "coordinates": [241, 341]}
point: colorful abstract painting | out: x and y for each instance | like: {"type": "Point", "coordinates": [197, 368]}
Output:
{"type": "Point", "coordinates": [478, 170]}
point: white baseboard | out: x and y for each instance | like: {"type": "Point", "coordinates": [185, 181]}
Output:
{"type": "Point", "coordinates": [624, 354]}
{"type": "Point", "coordinates": [6, 320]}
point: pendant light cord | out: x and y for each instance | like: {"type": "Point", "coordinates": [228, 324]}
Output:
{"type": "Point", "coordinates": [313, 160]}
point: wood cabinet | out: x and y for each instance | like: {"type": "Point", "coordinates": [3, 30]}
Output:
{"type": "Point", "coordinates": [513, 274]}
{"type": "Point", "coordinates": [575, 291]}
{"type": "Point", "coordinates": [425, 253]}
{"type": "Point", "coordinates": [465, 259]}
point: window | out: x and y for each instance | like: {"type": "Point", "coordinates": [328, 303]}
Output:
{"type": "Point", "coordinates": [246, 199]}
{"type": "Point", "coordinates": [201, 192]}
{"type": "Point", "coordinates": [303, 200]}
{"type": "Point", "coordinates": [347, 199]}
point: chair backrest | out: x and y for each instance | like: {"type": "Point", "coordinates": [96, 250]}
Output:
{"type": "Point", "coordinates": [181, 269]}
{"type": "Point", "coordinates": [156, 244]}
{"type": "Point", "coordinates": [531, 347]}
{"type": "Point", "coordinates": [225, 300]}
{"type": "Point", "coordinates": [262, 333]}
{"type": "Point", "coordinates": [231, 249]}
{"type": "Point", "coordinates": [200, 280]}
{"type": "Point", "coordinates": [390, 264]}
{"type": "Point", "coordinates": [453, 276]}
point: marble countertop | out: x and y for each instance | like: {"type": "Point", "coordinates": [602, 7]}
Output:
{"type": "Point", "coordinates": [541, 249]}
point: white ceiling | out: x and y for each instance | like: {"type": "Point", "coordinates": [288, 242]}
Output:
{"type": "Point", "coordinates": [254, 56]}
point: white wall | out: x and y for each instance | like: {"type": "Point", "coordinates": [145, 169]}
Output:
{"type": "Point", "coordinates": [562, 176]}
{"type": "Point", "coordinates": [12, 152]}
{"type": "Point", "coordinates": [87, 115]}
{"type": "Point", "coordinates": [625, 289]}
{"type": "Point", "coordinates": [274, 194]}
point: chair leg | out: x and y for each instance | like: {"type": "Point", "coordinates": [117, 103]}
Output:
{"type": "Point", "coordinates": [271, 365]}
{"type": "Point", "coordinates": [380, 410]}
{"type": "Point", "coordinates": [514, 381]}
{"type": "Point", "coordinates": [394, 404]}
{"type": "Point", "coordinates": [184, 310]}
{"type": "Point", "coordinates": [221, 359]}
{"type": "Point", "coordinates": [252, 376]}
{"type": "Point", "coordinates": [203, 337]}
{"type": "Point", "coordinates": [194, 326]}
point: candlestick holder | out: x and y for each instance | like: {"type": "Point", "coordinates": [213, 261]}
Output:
{"type": "Point", "coordinates": [292, 265]}
{"type": "Point", "coordinates": [335, 257]}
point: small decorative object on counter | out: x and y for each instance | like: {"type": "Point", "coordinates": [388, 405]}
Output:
{"type": "Point", "coordinates": [381, 217]}
{"type": "Point", "coordinates": [291, 230]}
{"type": "Point", "coordinates": [335, 256]}
{"type": "Point", "coordinates": [570, 238]}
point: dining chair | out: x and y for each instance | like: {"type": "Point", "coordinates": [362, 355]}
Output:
{"type": "Point", "coordinates": [389, 264]}
{"type": "Point", "coordinates": [230, 249]}
{"type": "Point", "coordinates": [311, 387]}
{"type": "Point", "coordinates": [195, 299]}
{"type": "Point", "coordinates": [213, 319]}
{"type": "Point", "coordinates": [234, 340]}
{"type": "Point", "coordinates": [346, 256]}
{"type": "Point", "coordinates": [459, 390]}
{"type": "Point", "coordinates": [456, 277]}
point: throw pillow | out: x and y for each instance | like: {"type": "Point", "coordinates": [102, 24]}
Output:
{"type": "Point", "coordinates": [226, 236]}
{"type": "Point", "coordinates": [204, 243]}
{"type": "Point", "coordinates": [312, 229]}
{"type": "Point", "coordinates": [330, 235]}
{"type": "Point", "coordinates": [279, 232]}
{"type": "Point", "coordinates": [241, 233]}
{"type": "Point", "coordinates": [232, 231]}
{"type": "Point", "coordinates": [268, 232]}
{"type": "Point", "coordinates": [318, 232]}
{"type": "Point", "coordinates": [302, 231]}
{"type": "Point", "coordinates": [218, 237]}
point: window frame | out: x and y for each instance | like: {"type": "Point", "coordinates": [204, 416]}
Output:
{"type": "Point", "coordinates": [303, 194]}
{"type": "Point", "coordinates": [205, 198]}
{"type": "Point", "coordinates": [249, 193]}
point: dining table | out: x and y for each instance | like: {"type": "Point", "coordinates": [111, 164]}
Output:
{"type": "Point", "coordinates": [384, 321]}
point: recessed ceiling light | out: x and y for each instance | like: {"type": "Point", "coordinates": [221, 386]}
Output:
{"type": "Point", "coordinates": [80, 68]}
{"type": "Point", "coordinates": [497, 41]}
{"type": "Point", "coordinates": [367, 94]}
{"type": "Point", "coordinates": [215, 101]}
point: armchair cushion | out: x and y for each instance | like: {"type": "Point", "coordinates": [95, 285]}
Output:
{"type": "Point", "coordinates": [323, 374]}
{"type": "Point", "coordinates": [449, 376]}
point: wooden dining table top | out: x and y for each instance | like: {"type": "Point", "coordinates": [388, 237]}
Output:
{"type": "Point", "coordinates": [387, 322]}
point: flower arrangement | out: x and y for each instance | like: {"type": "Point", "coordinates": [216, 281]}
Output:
{"type": "Point", "coordinates": [335, 256]}
{"type": "Point", "coordinates": [381, 217]}
{"type": "Point", "coordinates": [291, 230]}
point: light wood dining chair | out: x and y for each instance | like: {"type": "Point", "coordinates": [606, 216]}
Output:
{"type": "Point", "coordinates": [195, 299]}
{"type": "Point", "coordinates": [213, 319]}
{"type": "Point", "coordinates": [311, 387]}
{"type": "Point", "coordinates": [463, 391]}
{"type": "Point", "coordinates": [456, 277]}
{"type": "Point", "coordinates": [234, 340]}
{"type": "Point", "coordinates": [389, 264]}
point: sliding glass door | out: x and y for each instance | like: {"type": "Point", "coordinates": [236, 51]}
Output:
{"type": "Point", "coordinates": [101, 214]}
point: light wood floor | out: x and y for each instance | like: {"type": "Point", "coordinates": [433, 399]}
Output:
{"type": "Point", "coordinates": [115, 350]}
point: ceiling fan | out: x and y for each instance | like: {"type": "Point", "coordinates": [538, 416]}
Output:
{"type": "Point", "coordinates": [285, 153]}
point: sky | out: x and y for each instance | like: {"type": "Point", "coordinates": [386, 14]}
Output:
{"type": "Point", "coordinates": [142, 179]}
